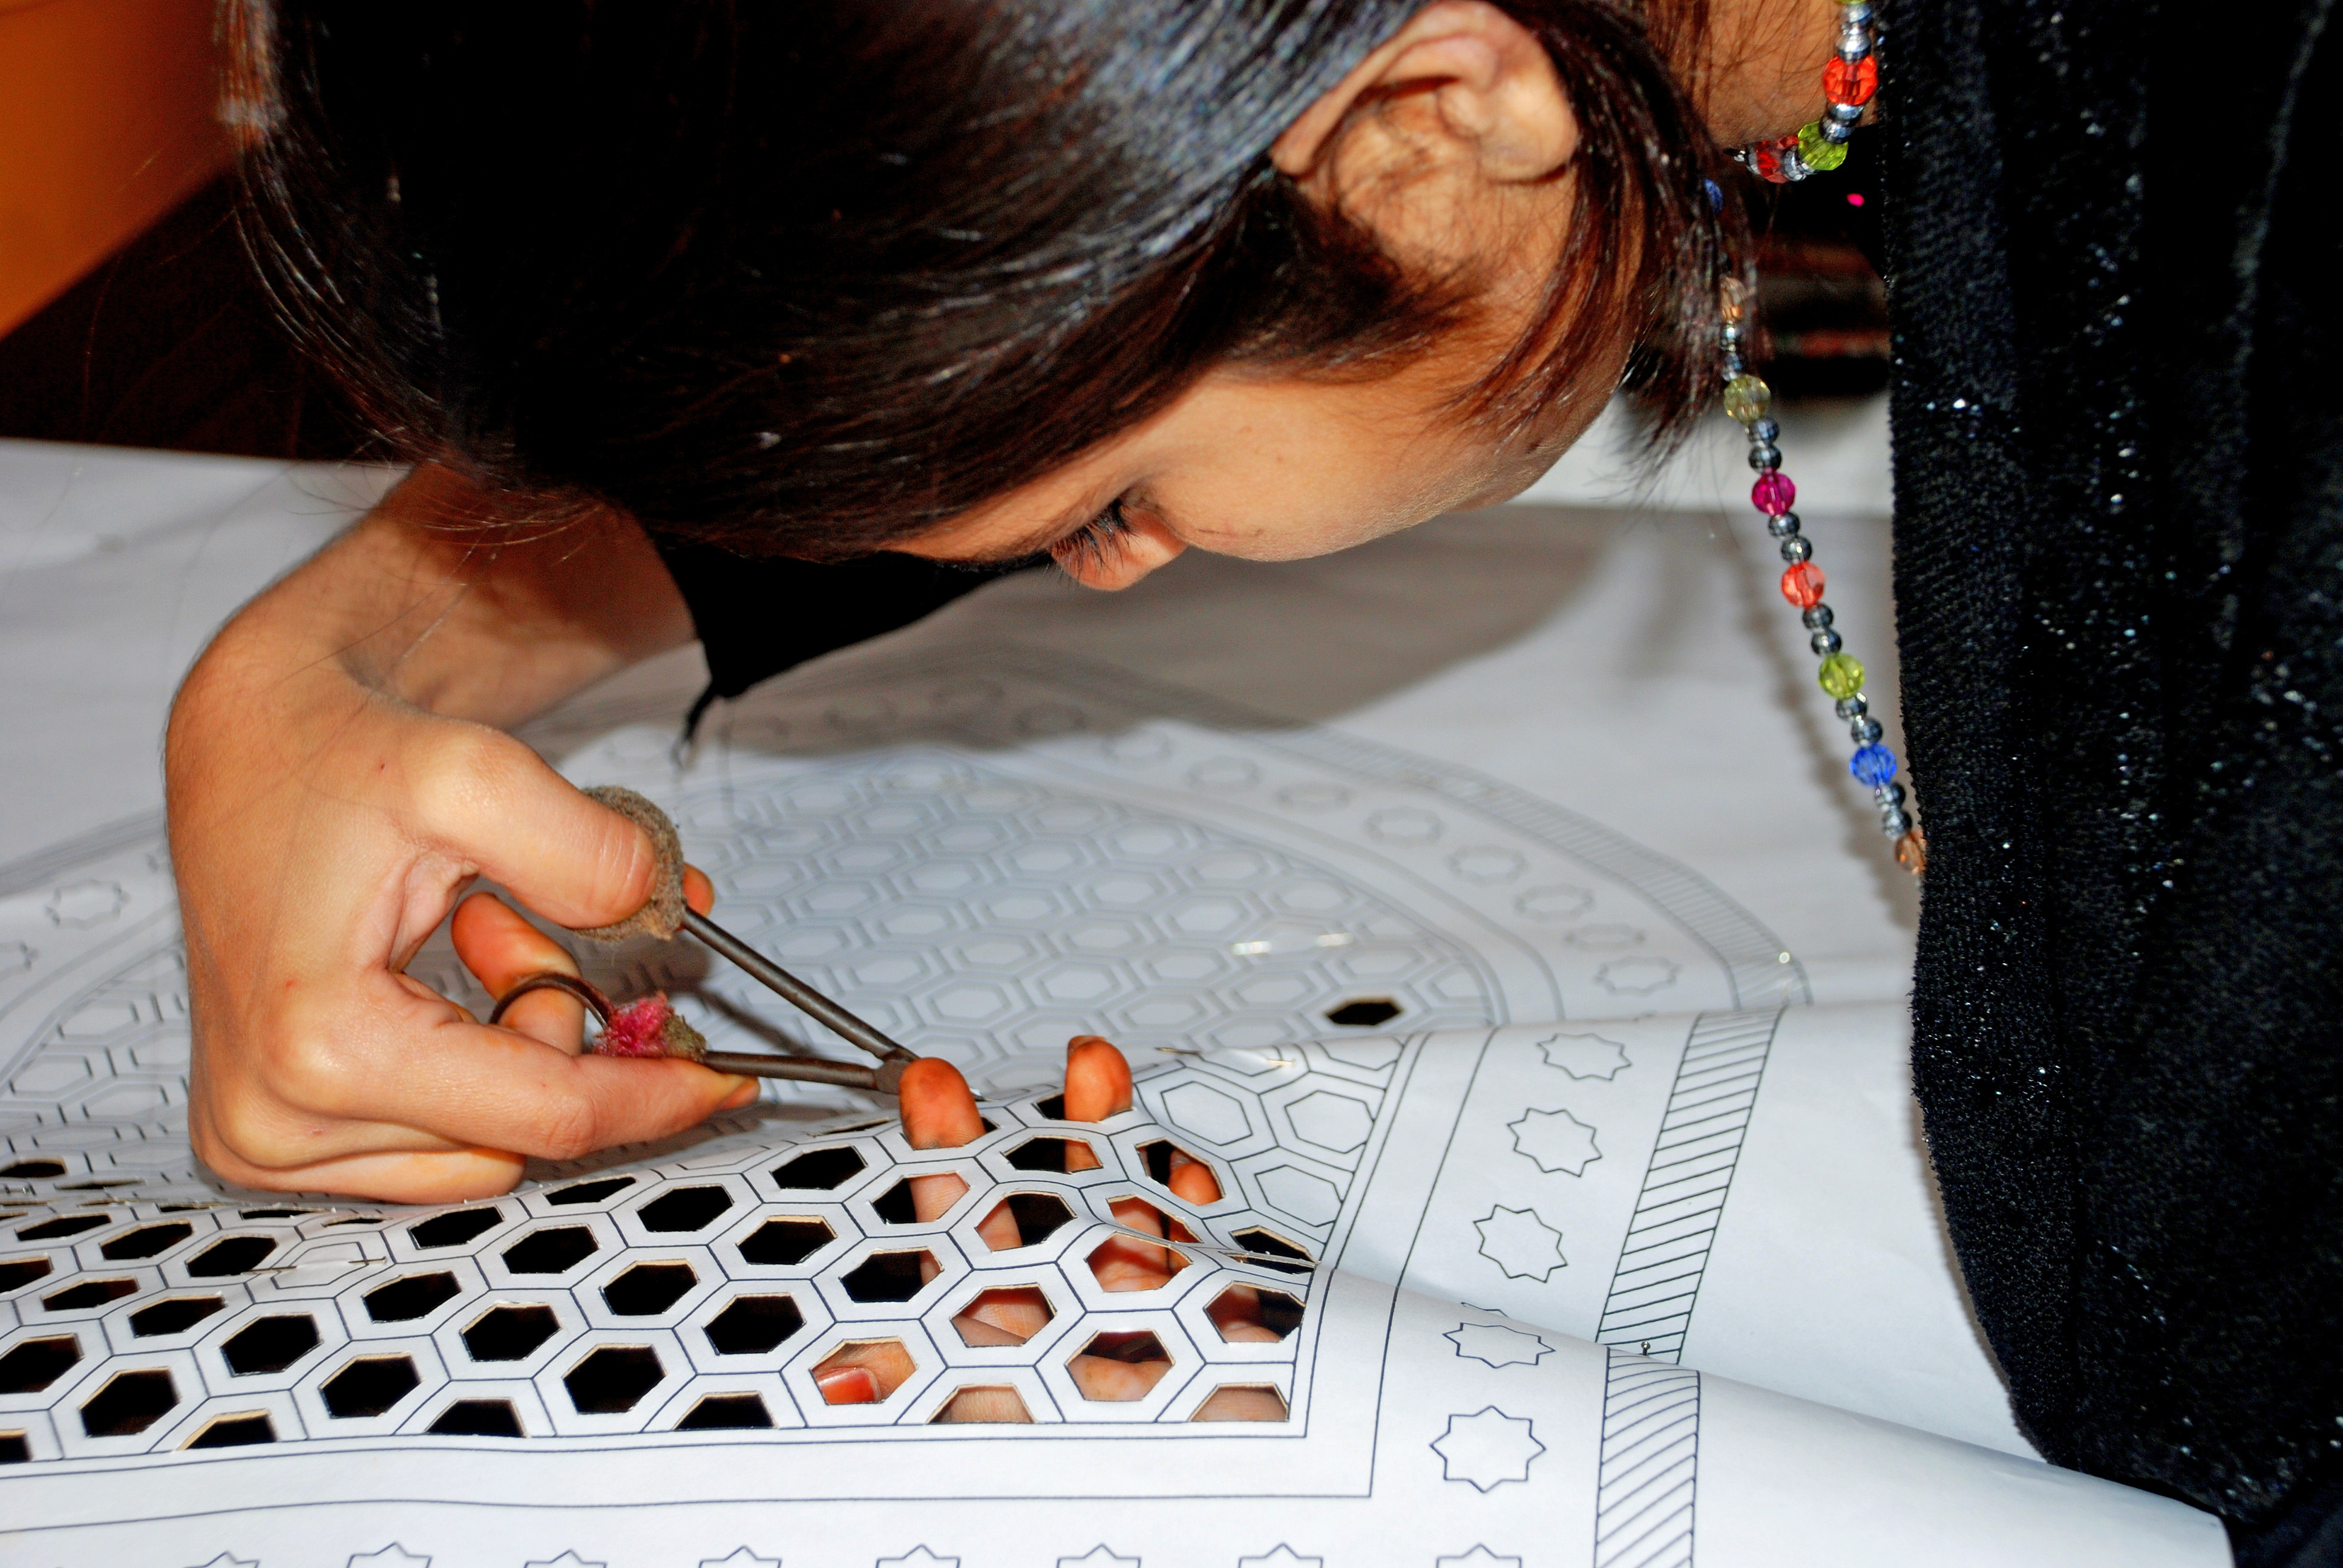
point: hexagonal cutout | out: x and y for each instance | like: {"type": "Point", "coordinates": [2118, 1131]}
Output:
{"type": "Point", "coordinates": [1049, 1154]}
{"type": "Point", "coordinates": [863, 1371]}
{"type": "Point", "coordinates": [1267, 1249]}
{"type": "Point", "coordinates": [685, 1210]}
{"type": "Point", "coordinates": [58, 1228]}
{"type": "Point", "coordinates": [1162, 1157]}
{"type": "Point", "coordinates": [588, 1192]}
{"type": "Point", "coordinates": [34, 1170]}
{"type": "Point", "coordinates": [18, 1273]}
{"type": "Point", "coordinates": [1129, 1263]}
{"type": "Point", "coordinates": [270, 1213]}
{"type": "Point", "coordinates": [235, 1432]}
{"type": "Point", "coordinates": [510, 1333]}
{"type": "Point", "coordinates": [34, 1364]}
{"type": "Point", "coordinates": [613, 1378]}
{"type": "Point", "coordinates": [14, 1449]}
{"type": "Point", "coordinates": [1364, 1013]}
{"type": "Point", "coordinates": [270, 1344]}
{"type": "Point", "coordinates": [1006, 1315]}
{"type": "Point", "coordinates": [129, 1403]}
{"type": "Point", "coordinates": [754, 1325]}
{"type": "Point", "coordinates": [987, 1404]}
{"type": "Point", "coordinates": [478, 1418]}
{"type": "Point", "coordinates": [87, 1294]}
{"type": "Point", "coordinates": [454, 1228]}
{"type": "Point", "coordinates": [891, 1276]}
{"type": "Point", "coordinates": [231, 1255]}
{"type": "Point", "coordinates": [1242, 1402]}
{"type": "Point", "coordinates": [1119, 1367]}
{"type": "Point", "coordinates": [1255, 1314]}
{"type": "Point", "coordinates": [648, 1289]}
{"type": "Point", "coordinates": [896, 1206]}
{"type": "Point", "coordinates": [145, 1241]}
{"type": "Point", "coordinates": [1038, 1217]}
{"type": "Point", "coordinates": [416, 1296]}
{"type": "Point", "coordinates": [785, 1243]}
{"type": "Point", "coordinates": [554, 1250]}
{"type": "Point", "coordinates": [821, 1170]}
{"type": "Point", "coordinates": [173, 1316]}
{"type": "Point", "coordinates": [369, 1385]}
{"type": "Point", "coordinates": [727, 1413]}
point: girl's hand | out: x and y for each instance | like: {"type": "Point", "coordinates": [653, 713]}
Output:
{"type": "Point", "coordinates": [335, 784]}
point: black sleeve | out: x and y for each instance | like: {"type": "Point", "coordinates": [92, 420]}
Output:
{"type": "Point", "coordinates": [759, 616]}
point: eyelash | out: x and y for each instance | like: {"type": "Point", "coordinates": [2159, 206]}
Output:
{"type": "Point", "coordinates": [1096, 542]}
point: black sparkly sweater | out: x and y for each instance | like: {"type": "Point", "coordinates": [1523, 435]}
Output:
{"type": "Point", "coordinates": [2118, 429]}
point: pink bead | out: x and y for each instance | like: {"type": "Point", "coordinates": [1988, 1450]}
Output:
{"type": "Point", "coordinates": [1773, 494]}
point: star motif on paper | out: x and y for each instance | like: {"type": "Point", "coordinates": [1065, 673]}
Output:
{"type": "Point", "coordinates": [1283, 1557]}
{"type": "Point", "coordinates": [917, 1557]}
{"type": "Point", "coordinates": [1555, 1141]}
{"type": "Point", "coordinates": [1521, 1243]}
{"type": "Point", "coordinates": [1479, 1557]}
{"type": "Point", "coordinates": [1487, 1448]}
{"type": "Point", "coordinates": [1497, 1346]}
{"type": "Point", "coordinates": [567, 1560]}
{"type": "Point", "coordinates": [391, 1556]}
{"type": "Point", "coordinates": [742, 1558]}
{"type": "Point", "coordinates": [1585, 1055]}
{"type": "Point", "coordinates": [1099, 1556]}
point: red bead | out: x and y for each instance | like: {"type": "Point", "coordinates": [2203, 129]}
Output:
{"type": "Point", "coordinates": [1846, 82]}
{"type": "Point", "coordinates": [1773, 493]}
{"type": "Point", "coordinates": [1802, 585]}
{"type": "Point", "coordinates": [1766, 158]}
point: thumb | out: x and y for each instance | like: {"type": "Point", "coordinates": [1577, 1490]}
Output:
{"type": "Point", "coordinates": [493, 802]}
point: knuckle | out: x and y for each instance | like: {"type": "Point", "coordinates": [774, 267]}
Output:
{"type": "Point", "coordinates": [462, 776]}
{"type": "Point", "coordinates": [570, 1128]}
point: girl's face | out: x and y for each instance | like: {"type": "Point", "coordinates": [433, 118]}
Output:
{"type": "Point", "coordinates": [1267, 470]}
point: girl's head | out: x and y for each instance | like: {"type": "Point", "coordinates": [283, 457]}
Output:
{"type": "Point", "coordinates": [982, 278]}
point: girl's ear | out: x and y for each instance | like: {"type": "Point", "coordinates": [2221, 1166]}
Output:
{"type": "Point", "coordinates": [1463, 90]}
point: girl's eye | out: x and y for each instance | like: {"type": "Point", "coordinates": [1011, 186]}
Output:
{"type": "Point", "coordinates": [1097, 543]}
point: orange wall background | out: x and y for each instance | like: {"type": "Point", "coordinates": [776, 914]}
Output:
{"type": "Point", "coordinates": [108, 119]}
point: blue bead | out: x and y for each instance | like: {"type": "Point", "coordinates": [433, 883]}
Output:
{"type": "Point", "coordinates": [1873, 764]}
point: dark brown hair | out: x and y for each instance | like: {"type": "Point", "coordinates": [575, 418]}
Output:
{"type": "Point", "coordinates": [806, 279]}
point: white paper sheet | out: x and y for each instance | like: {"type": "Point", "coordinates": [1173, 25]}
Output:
{"type": "Point", "coordinates": [1623, 1250]}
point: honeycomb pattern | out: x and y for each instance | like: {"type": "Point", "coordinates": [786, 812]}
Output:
{"type": "Point", "coordinates": [785, 1288]}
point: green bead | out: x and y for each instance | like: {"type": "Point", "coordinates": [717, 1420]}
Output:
{"type": "Point", "coordinates": [1841, 674]}
{"type": "Point", "coordinates": [1817, 153]}
{"type": "Point", "coordinates": [1746, 398]}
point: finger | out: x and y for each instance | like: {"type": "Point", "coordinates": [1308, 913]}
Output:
{"type": "Point", "coordinates": [863, 1373]}
{"type": "Point", "coordinates": [994, 1405]}
{"type": "Point", "coordinates": [699, 892]}
{"type": "Point", "coordinates": [999, 1229]}
{"type": "Point", "coordinates": [1017, 1312]}
{"type": "Point", "coordinates": [489, 799]}
{"type": "Point", "coordinates": [1192, 1181]}
{"type": "Point", "coordinates": [938, 1109]}
{"type": "Point", "coordinates": [1103, 1378]}
{"type": "Point", "coordinates": [501, 948]}
{"type": "Point", "coordinates": [1098, 1080]}
{"type": "Point", "coordinates": [453, 1177]}
{"type": "Point", "coordinates": [932, 1197]}
{"type": "Point", "coordinates": [1240, 1404]}
{"type": "Point", "coordinates": [1237, 1315]}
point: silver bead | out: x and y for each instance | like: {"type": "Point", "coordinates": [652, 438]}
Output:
{"type": "Point", "coordinates": [1732, 365]}
{"type": "Point", "coordinates": [1817, 619]}
{"type": "Point", "coordinates": [1824, 643]}
{"type": "Point", "coordinates": [1764, 430]}
{"type": "Point", "coordinates": [1835, 133]}
{"type": "Point", "coordinates": [1889, 796]}
{"type": "Point", "coordinates": [1845, 114]}
{"type": "Point", "coordinates": [1764, 455]}
{"type": "Point", "coordinates": [1858, 15]}
{"type": "Point", "coordinates": [1731, 332]}
{"type": "Point", "coordinates": [1894, 824]}
{"type": "Point", "coordinates": [1854, 44]}
{"type": "Point", "coordinates": [1863, 731]}
{"type": "Point", "coordinates": [1853, 707]}
{"type": "Point", "coordinates": [1791, 166]}
{"type": "Point", "coordinates": [1783, 524]}
{"type": "Point", "coordinates": [1797, 549]}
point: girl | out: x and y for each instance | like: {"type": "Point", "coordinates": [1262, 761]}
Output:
{"type": "Point", "coordinates": [781, 326]}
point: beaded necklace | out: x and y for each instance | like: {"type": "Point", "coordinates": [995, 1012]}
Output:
{"type": "Point", "coordinates": [1848, 83]}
